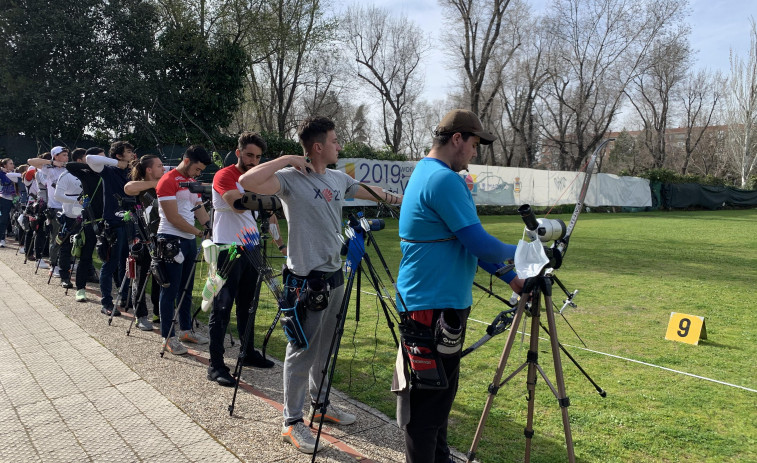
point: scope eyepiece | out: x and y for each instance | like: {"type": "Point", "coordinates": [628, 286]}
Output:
{"type": "Point", "coordinates": [197, 188]}
{"type": "Point", "coordinates": [528, 217]}
{"type": "Point", "coordinates": [544, 229]}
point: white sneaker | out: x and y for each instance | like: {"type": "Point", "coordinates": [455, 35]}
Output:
{"type": "Point", "coordinates": [144, 324]}
{"type": "Point", "coordinates": [22, 250]}
{"type": "Point", "coordinates": [300, 436]}
{"type": "Point", "coordinates": [192, 336]}
{"type": "Point", "coordinates": [334, 415]}
{"type": "Point", "coordinates": [174, 346]}
{"type": "Point", "coordinates": [43, 265]}
{"type": "Point", "coordinates": [81, 295]}
{"type": "Point", "coordinates": [2, 243]}
{"type": "Point", "coordinates": [56, 272]}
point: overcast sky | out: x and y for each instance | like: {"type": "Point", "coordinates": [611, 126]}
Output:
{"type": "Point", "coordinates": [717, 26]}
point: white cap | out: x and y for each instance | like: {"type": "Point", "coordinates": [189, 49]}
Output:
{"type": "Point", "coordinates": [57, 150]}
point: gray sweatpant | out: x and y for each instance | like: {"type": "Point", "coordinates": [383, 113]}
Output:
{"type": "Point", "coordinates": [303, 369]}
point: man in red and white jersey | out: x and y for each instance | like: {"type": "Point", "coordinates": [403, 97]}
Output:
{"type": "Point", "coordinates": [177, 240]}
{"type": "Point", "coordinates": [240, 287]}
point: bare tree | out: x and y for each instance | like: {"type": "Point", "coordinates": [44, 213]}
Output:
{"type": "Point", "coordinates": [699, 99]}
{"type": "Point", "coordinates": [742, 110]}
{"type": "Point", "coordinates": [295, 30]}
{"type": "Point", "coordinates": [481, 52]}
{"type": "Point", "coordinates": [388, 51]}
{"type": "Point", "coordinates": [518, 128]}
{"type": "Point", "coordinates": [475, 27]}
{"type": "Point", "coordinates": [423, 117]}
{"type": "Point", "coordinates": [599, 47]}
{"type": "Point", "coordinates": [710, 158]}
{"type": "Point", "coordinates": [653, 91]}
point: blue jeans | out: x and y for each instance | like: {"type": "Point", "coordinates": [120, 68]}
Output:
{"type": "Point", "coordinates": [178, 275]}
{"type": "Point", "coordinates": [5, 215]}
{"type": "Point", "coordinates": [116, 265]}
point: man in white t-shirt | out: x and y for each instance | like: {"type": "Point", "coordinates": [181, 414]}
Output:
{"type": "Point", "coordinates": [178, 208]}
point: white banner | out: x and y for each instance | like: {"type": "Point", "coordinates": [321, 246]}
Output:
{"type": "Point", "coordinates": [511, 186]}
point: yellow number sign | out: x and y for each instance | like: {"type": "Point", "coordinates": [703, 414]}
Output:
{"type": "Point", "coordinates": [686, 328]}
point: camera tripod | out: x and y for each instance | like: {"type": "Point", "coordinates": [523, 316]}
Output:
{"type": "Point", "coordinates": [357, 231]}
{"type": "Point", "coordinates": [539, 287]}
{"type": "Point", "coordinates": [254, 249]}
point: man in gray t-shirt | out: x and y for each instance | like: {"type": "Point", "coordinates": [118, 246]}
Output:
{"type": "Point", "coordinates": [313, 197]}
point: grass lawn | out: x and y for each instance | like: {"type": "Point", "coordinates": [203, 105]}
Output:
{"type": "Point", "coordinates": [632, 271]}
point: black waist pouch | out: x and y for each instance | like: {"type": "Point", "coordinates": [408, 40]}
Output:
{"type": "Point", "coordinates": [419, 347]}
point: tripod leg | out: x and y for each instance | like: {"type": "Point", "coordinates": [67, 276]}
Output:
{"type": "Point", "coordinates": [26, 248]}
{"type": "Point", "coordinates": [38, 255]}
{"type": "Point", "coordinates": [243, 345]}
{"type": "Point", "coordinates": [135, 304]}
{"type": "Point", "coordinates": [121, 288]}
{"type": "Point", "coordinates": [270, 330]}
{"type": "Point", "coordinates": [559, 379]}
{"type": "Point", "coordinates": [52, 270]}
{"type": "Point", "coordinates": [71, 273]}
{"type": "Point", "coordinates": [330, 366]}
{"type": "Point", "coordinates": [494, 386]}
{"type": "Point", "coordinates": [532, 359]}
{"type": "Point", "coordinates": [601, 391]}
{"type": "Point", "coordinates": [377, 287]}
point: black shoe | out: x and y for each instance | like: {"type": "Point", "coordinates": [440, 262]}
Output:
{"type": "Point", "coordinates": [221, 376]}
{"type": "Point", "coordinates": [257, 360]}
{"type": "Point", "coordinates": [107, 311]}
{"type": "Point", "coordinates": [66, 283]}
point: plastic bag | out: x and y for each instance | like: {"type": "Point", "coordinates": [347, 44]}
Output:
{"type": "Point", "coordinates": [530, 258]}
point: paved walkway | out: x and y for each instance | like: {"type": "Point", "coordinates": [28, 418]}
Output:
{"type": "Point", "coordinates": [67, 398]}
{"type": "Point", "coordinates": [73, 388]}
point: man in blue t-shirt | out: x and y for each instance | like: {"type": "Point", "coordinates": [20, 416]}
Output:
{"type": "Point", "coordinates": [442, 243]}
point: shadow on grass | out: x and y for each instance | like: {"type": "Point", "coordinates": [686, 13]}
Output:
{"type": "Point", "coordinates": [706, 343]}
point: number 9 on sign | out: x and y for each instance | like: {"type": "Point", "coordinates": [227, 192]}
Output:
{"type": "Point", "coordinates": [686, 328]}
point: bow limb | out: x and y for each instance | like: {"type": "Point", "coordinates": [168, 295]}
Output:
{"type": "Point", "coordinates": [562, 244]}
